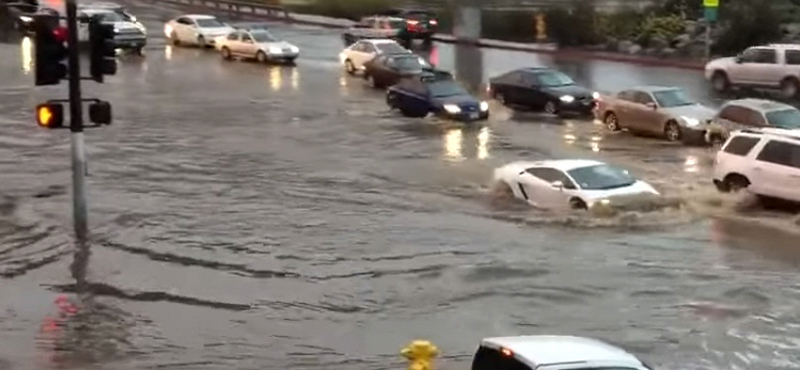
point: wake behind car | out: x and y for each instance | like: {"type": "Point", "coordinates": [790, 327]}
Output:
{"type": "Point", "coordinates": [572, 183]}
{"type": "Point", "coordinates": [128, 35]}
{"type": "Point", "coordinates": [258, 44]}
{"type": "Point", "coordinates": [195, 29]}
{"type": "Point", "coordinates": [386, 70]}
{"type": "Point", "coordinates": [354, 56]}
{"type": "Point", "coordinates": [435, 93]}
{"type": "Point", "coordinates": [667, 112]}
{"type": "Point", "coordinates": [542, 89]}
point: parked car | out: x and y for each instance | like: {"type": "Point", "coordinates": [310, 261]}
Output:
{"type": "Point", "coordinates": [435, 93]}
{"type": "Point", "coordinates": [128, 35]}
{"type": "Point", "coordinates": [258, 44]}
{"type": "Point", "coordinates": [657, 110]}
{"type": "Point", "coordinates": [765, 162]}
{"type": "Point", "coordinates": [374, 27]}
{"type": "Point", "coordinates": [354, 56]}
{"type": "Point", "coordinates": [117, 8]}
{"type": "Point", "coordinates": [756, 113]}
{"type": "Point", "coordinates": [775, 66]}
{"type": "Point", "coordinates": [196, 29]}
{"type": "Point", "coordinates": [419, 24]}
{"type": "Point", "coordinates": [552, 352]}
{"type": "Point", "coordinates": [386, 70]}
{"type": "Point", "coordinates": [573, 183]}
{"type": "Point", "coordinates": [543, 89]}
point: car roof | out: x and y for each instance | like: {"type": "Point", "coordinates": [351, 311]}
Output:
{"type": "Point", "coordinates": [101, 5]}
{"type": "Point", "coordinates": [199, 16]}
{"type": "Point", "coordinates": [759, 104]}
{"type": "Point", "coordinates": [653, 88]}
{"type": "Point", "coordinates": [556, 349]}
{"type": "Point", "coordinates": [96, 11]}
{"type": "Point", "coordinates": [562, 164]}
{"type": "Point", "coordinates": [379, 41]}
{"type": "Point", "coordinates": [771, 132]}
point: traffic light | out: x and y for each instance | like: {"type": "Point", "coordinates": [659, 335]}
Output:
{"type": "Point", "coordinates": [50, 50]}
{"type": "Point", "coordinates": [102, 51]}
{"type": "Point", "coordinates": [100, 113]}
{"type": "Point", "coordinates": [50, 115]}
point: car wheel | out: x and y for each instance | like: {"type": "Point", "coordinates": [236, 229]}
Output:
{"type": "Point", "coordinates": [201, 41]}
{"type": "Point", "coordinates": [735, 182]}
{"type": "Point", "coordinates": [789, 87]}
{"type": "Point", "coordinates": [261, 57]}
{"type": "Point", "coordinates": [611, 122]}
{"type": "Point", "coordinates": [226, 53]}
{"type": "Point", "coordinates": [551, 108]}
{"type": "Point", "coordinates": [672, 131]}
{"type": "Point", "coordinates": [577, 203]}
{"type": "Point", "coordinates": [720, 82]}
{"type": "Point", "coordinates": [349, 67]}
{"type": "Point", "coordinates": [174, 38]}
{"type": "Point", "coordinates": [139, 51]}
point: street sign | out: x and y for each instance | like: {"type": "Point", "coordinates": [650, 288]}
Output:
{"type": "Point", "coordinates": [710, 14]}
{"type": "Point", "coordinates": [711, 3]}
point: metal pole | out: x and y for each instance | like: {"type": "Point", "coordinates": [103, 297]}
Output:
{"type": "Point", "coordinates": [79, 211]}
{"type": "Point", "coordinates": [708, 40]}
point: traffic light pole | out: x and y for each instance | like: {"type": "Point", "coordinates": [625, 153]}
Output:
{"type": "Point", "coordinates": [79, 207]}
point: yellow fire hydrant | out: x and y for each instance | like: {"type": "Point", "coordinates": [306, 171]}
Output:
{"type": "Point", "coordinates": [420, 354]}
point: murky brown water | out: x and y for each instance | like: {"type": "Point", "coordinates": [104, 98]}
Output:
{"type": "Point", "coordinates": [254, 217]}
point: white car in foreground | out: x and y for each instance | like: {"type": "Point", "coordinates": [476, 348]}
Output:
{"type": "Point", "coordinates": [195, 29]}
{"type": "Point", "coordinates": [354, 56]}
{"type": "Point", "coordinates": [553, 352]}
{"type": "Point", "coordinates": [574, 183]}
{"type": "Point", "coordinates": [257, 44]}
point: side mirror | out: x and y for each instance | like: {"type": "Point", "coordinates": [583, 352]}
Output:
{"type": "Point", "coordinates": [557, 185]}
{"type": "Point", "coordinates": [651, 105]}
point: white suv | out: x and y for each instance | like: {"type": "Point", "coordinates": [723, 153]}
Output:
{"type": "Point", "coordinates": [765, 161]}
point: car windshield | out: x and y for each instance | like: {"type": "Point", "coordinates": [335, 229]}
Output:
{"type": "Point", "coordinates": [263, 36]}
{"type": "Point", "coordinates": [390, 48]}
{"type": "Point", "coordinates": [410, 63]}
{"type": "Point", "coordinates": [601, 177]}
{"type": "Point", "coordinates": [784, 118]}
{"type": "Point", "coordinates": [110, 17]}
{"type": "Point", "coordinates": [553, 79]}
{"type": "Point", "coordinates": [672, 98]}
{"type": "Point", "coordinates": [209, 23]}
{"type": "Point", "coordinates": [441, 89]}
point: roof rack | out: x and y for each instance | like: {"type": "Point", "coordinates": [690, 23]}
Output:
{"type": "Point", "coordinates": [786, 133]}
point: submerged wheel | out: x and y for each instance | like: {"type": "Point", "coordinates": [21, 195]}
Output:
{"type": "Point", "coordinates": [577, 203]}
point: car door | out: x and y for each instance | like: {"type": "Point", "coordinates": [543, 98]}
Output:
{"type": "Point", "coordinates": [232, 42]}
{"type": "Point", "coordinates": [185, 30]}
{"type": "Point", "coordinates": [367, 52]}
{"type": "Point", "coordinates": [531, 92]}
{"type": "Point", "coordinates": [644, 114]}
{"type": "Point", "coordinates": [776, 170]}
{"type": "Point", "coordinates": [538, 184]}
{"type": "Point", "coordinates": [505, 86]}
{"type": "Point", "coordinates": [382, 69]}
{"type": "Point", "coordinates": [623, 104]}
{"type": "Point", "coordinates": [755, 67]}
{"type": "Point", "coordinates": [247, 46]}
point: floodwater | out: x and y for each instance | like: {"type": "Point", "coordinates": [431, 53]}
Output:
{"type": "Point", "coordinates": [246, 216]}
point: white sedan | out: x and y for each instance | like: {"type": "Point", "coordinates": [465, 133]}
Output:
{"type": "Point", "coordinates": [194, 29]}
{"type": "Point", "coordinates": [576, 183]}
{"type": "Point", "coordinates": [354, 56]}
{"type": "Point", "coordinates": [257, 44]}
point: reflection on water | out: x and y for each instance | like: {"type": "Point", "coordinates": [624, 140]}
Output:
{"type": "Point", "coordinates": [454, 145]}
{"type": "Point", "coordinates": [275, 78]}
{"type": "Point", "coordinates": [295, 79]}
{"type": "Point", "coordinates": [168, 52]}
{"type": "Point", "coordinates": [453, 139]}
{"type": "Point", "coordinates": [483, 143]}
{"type": "Point", "coordinates": [26, 48]}
{"type": "Point", "coordinates": [691, 164]}
{"type": "Point", "coordinates": [595, 143]}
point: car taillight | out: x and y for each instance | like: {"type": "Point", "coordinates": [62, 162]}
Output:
{"type": "Point", "coordinates": [412, 22]}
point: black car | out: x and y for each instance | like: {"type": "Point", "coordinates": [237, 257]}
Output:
{"type": "Point", "coordinates": [386, 70]}
{"type": "Point", "coordinates": [435, 93]}
{"type": "Point", "coordinates": [419, 24]}
{"type": "Point", "coordinates": [543, 89]}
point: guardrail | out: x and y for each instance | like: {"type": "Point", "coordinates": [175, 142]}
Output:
{"type": "Point", "coordinates": [236, 8]}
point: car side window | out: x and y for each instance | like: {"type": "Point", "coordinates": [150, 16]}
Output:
{"type": "Point", "coordinates": [529, 79]}
{"type": "Point", "coordinates": [780, 153]}
{"type": "Point", "coordinates": [368, 48]}
{"type": "Point", "coordinates": [233, 36]}
{"type": "Point", "coordinates": [246, 38]}
{"type": "Point", "coordinates": [740, 145]}
{"type": "Point", "coordinates": [760, 56]}
{"type": "Point", "coordinates": [550, 175]}
{"type": "Point", "coordinates": [792, 57]}
{"type": "Point", "coordinates": [756, 118]}
{"type": "Point", "coordinates": [491, 359]}
{"type": "Point", "coordinates": [642, 98]}
{"type": "Point", "coordinates": [184, 20]}
{"type": "Point", "coordinates": [627, 95]}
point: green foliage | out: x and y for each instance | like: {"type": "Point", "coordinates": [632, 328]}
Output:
{"type": "Point", "coordinates": [349, 9]}
{"type": "Point", "coordinates": [664, 27]}
{"type": "Point", "coordinates": [576, 25]}
{"type": "Point", "coordinates": [623, 25]}
{"type": "Point", "coordinates": [509, 25]}
{"type": "Point", "coordinates": [746, 23]}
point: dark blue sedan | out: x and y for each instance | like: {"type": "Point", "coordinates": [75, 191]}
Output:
{"type": "Point", "coordinates": [437, 93]}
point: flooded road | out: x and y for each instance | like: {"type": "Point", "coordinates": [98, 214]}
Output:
{"type": "Point", "coordinates": [246, 216]}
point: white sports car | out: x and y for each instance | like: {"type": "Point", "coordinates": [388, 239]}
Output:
{"type": "Point", "coordinates": [574, 183]}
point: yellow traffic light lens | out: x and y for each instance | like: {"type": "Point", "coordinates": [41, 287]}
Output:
{"type": "Point", "coordinates": [45, 116]}
{"type": "Point", "coordinates": [50, 115]}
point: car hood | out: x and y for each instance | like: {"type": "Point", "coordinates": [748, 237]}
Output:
{"type": "Point", "coordinates": [275, 44]}
{"type": "Point", "coordinates": [458, 100]}
{"type": "Point", "coordinates": [698, 111]}
{"type": "Point", "coordinates": [215, 31]}
{"type": "Point", "coordinates": [573, 90]}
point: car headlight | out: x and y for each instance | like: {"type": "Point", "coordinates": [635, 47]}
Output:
{"type": "Point", "coordinates": [452, 108]}
{"type": "Point", "coordinates": [690, 122]}
{"type": "Point", "coordinates": [484, 106]}
{"type": "Point", "coordinates": [25, 18]}
{"type": "Point", "coordinates": [595, 95]}
{"type": "Point", "coordinates": [167, 30]}
{"type": "Point", "coordinates": [274, 50]}
{"type": "Point", "coordinates": [141, 27]}
{"type": "Point", "coordinates": [294, 49]}
{"type": "Point", "coordinates": [567, 98]}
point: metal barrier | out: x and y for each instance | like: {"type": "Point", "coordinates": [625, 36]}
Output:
{"type": "Point", "coordinates": [236, 9]}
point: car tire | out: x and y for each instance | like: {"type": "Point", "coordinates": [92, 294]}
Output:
{"type": "Point", "coordinates": [720, 82]}
{"type": "Point", "coordinates": [578, 204]}
{"type": "Point", "coordinates": [261, 57]}
{"type": "Point", "coordinates": [174, 38]}
{"type": "Point", "coordinates": [201, 41]}
{"type": "Point", "coordinates": [790, 87]}
{"type": "Point", "coordinates": [734, 182]}
{"type": "Point", "coordinates": [226, 53]}
{"type": "Point", "coordinates": [611, 122]}
{"type": "Point", "coordinates": [672, 131]}
{"type": "Point", "coordinates": [349, 67]}
{"type": "Point", "coordinates": [139, 51]}
{"type": "Point", "coordinates": [551, 107]}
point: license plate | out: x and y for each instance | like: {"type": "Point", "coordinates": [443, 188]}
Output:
{"type": "Point", "coordinates": [473, 115]}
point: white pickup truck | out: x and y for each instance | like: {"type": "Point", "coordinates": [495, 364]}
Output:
{"type": "Point", "coordinates": [774, 66]}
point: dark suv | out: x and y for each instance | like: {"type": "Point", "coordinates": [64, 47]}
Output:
{"type": "Point", "coordinates": [420, 24]}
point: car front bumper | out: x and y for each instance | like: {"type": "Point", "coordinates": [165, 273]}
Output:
{"type": "Point", "coordinates": [285, 56]}
{"type": "Point", "coordinates": [704, 135]}
{"type": "Point", "coordinates": [578, 106]}
{"type": "Point", "coordinates": [130, 42]}
{"type": "Point", "coordinates": [466, 116]}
